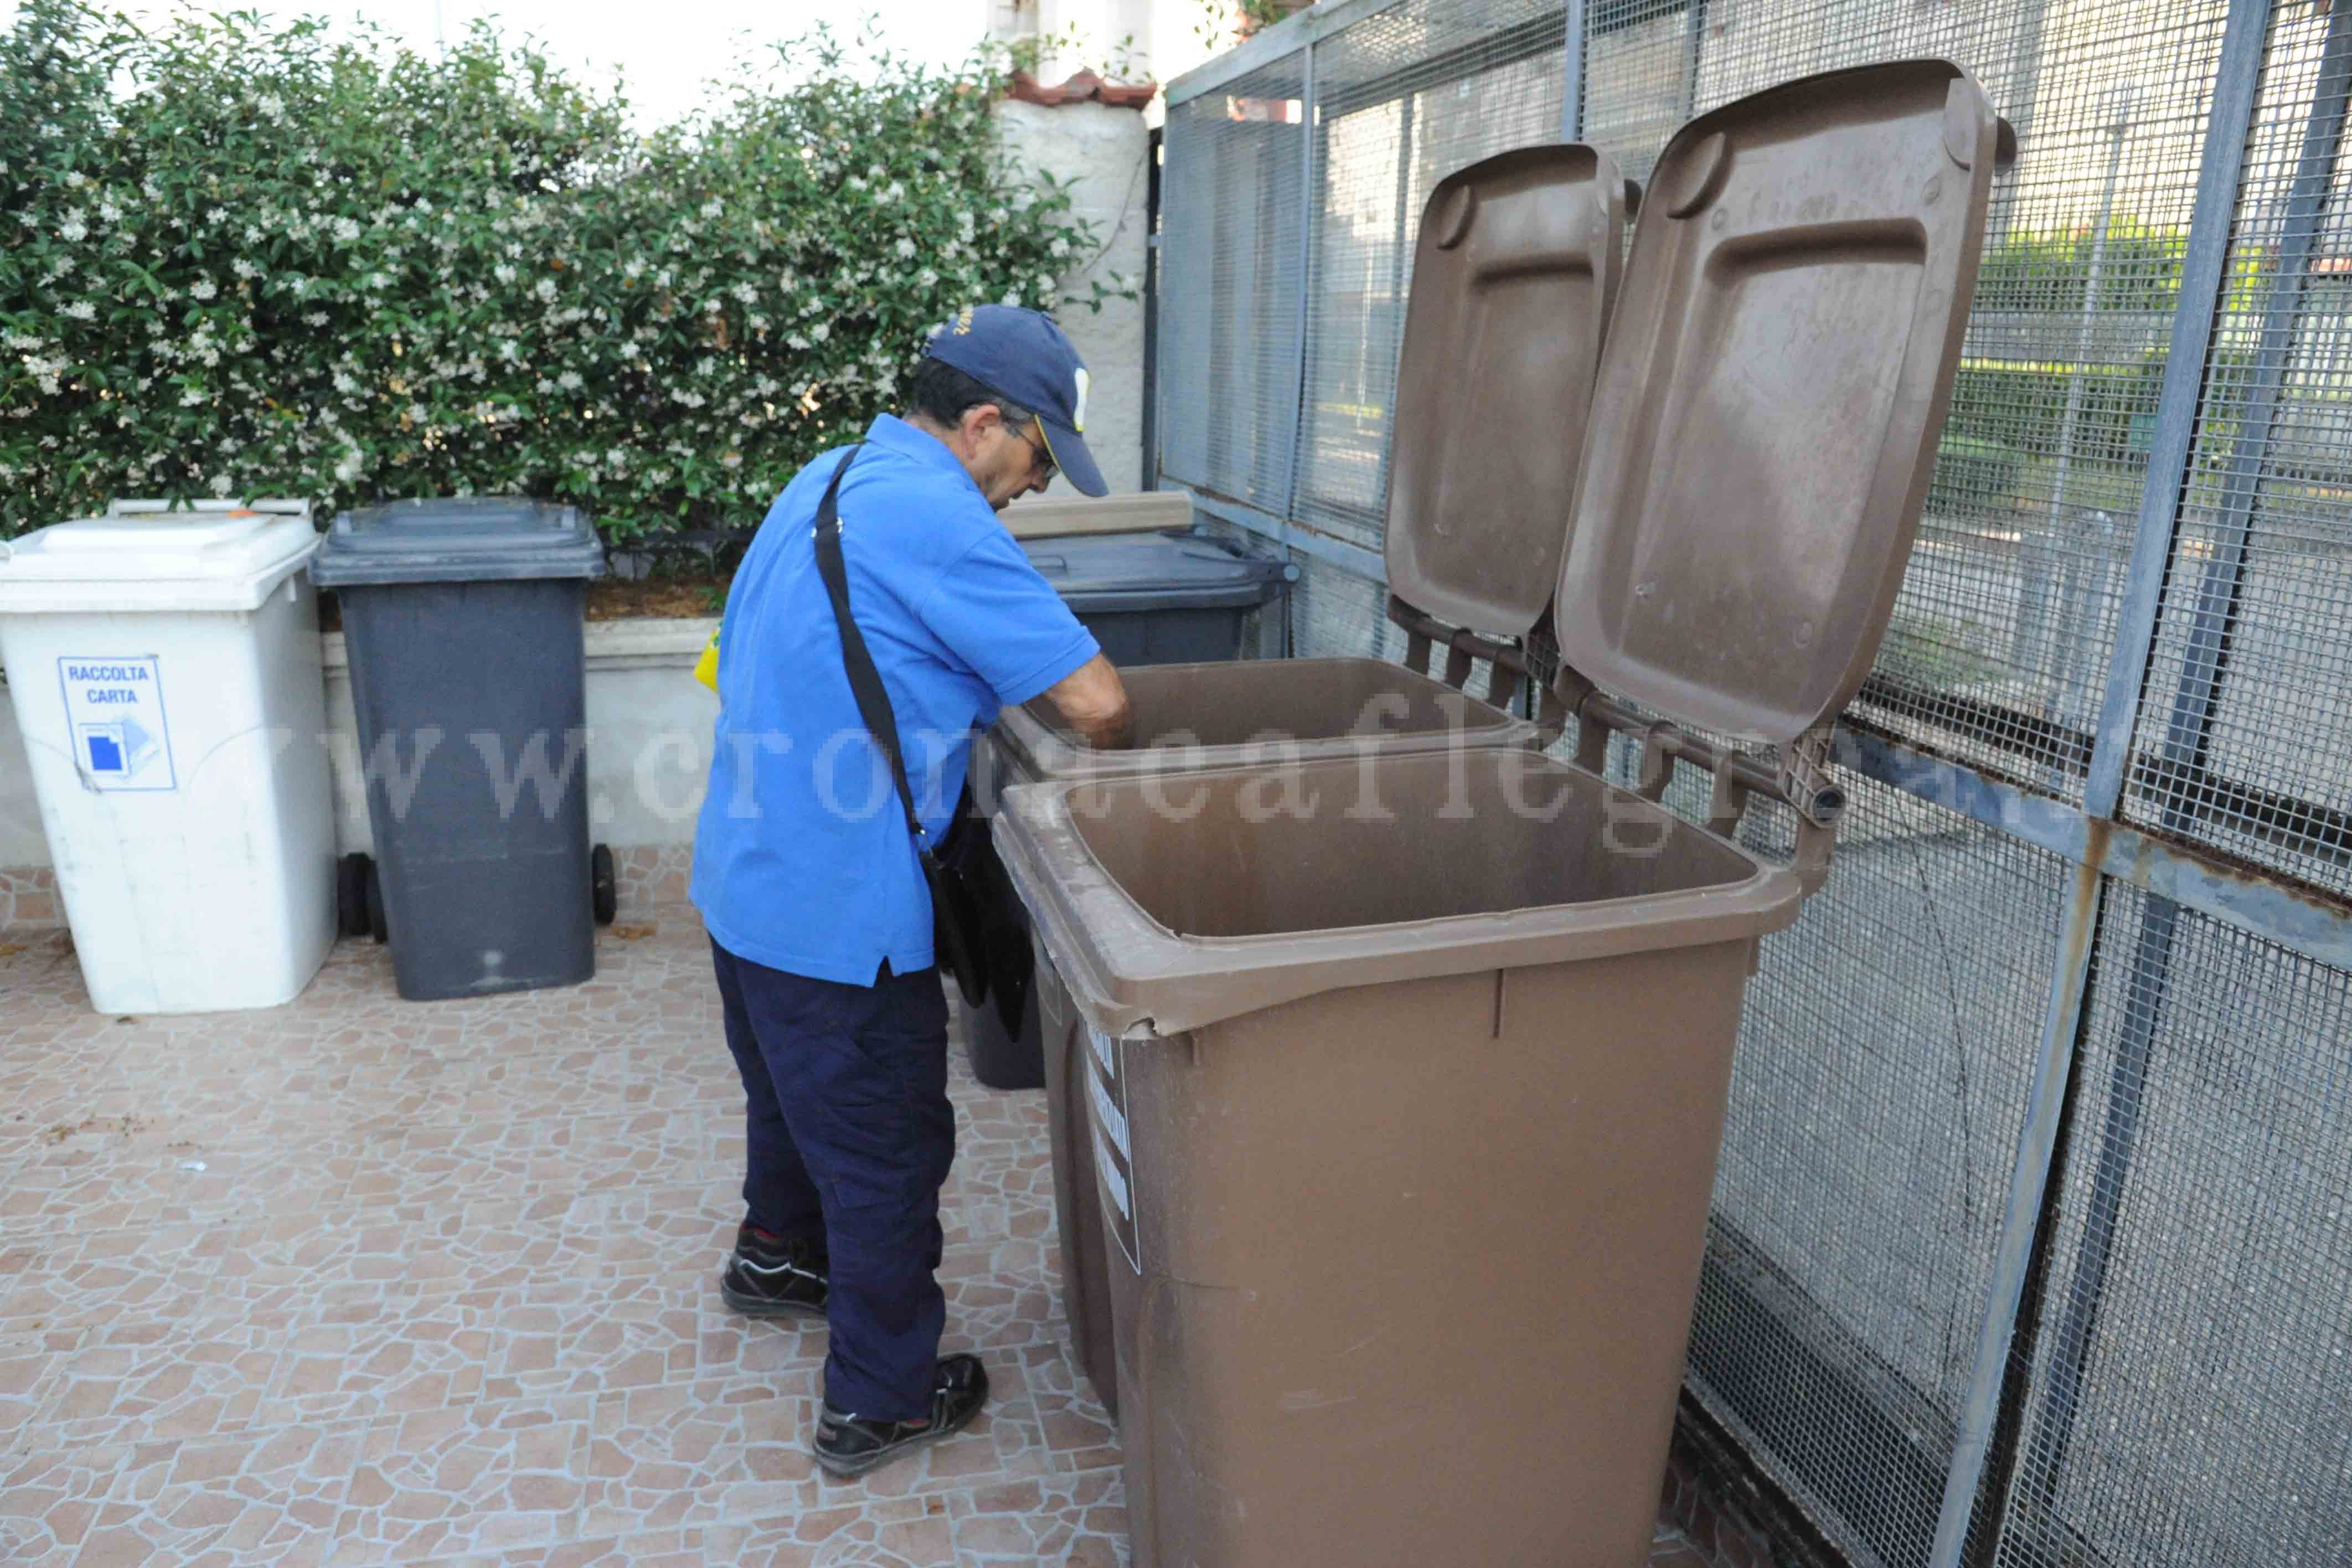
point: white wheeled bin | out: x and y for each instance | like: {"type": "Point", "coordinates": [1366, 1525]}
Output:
{"type": "Point", "coordinates": [163, 665]}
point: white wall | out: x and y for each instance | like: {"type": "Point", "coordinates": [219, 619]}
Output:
{"type": "Point", "coordinates": [1105, 150]}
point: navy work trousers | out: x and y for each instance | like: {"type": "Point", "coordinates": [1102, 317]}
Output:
{"type": "Point", "coordinates": [850, 1136]}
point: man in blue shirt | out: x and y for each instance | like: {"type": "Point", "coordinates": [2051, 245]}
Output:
{"type": "Point", "coordinates": [808, 879]}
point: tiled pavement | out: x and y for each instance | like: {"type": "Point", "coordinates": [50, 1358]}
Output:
{"type": "Point", "coordinates": [358, 1282]}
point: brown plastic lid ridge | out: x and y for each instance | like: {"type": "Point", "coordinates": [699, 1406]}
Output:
{"type": "Point", "coordinates": [1771, 395]}
{"type": "Point", "coordinates": [1514, 272]}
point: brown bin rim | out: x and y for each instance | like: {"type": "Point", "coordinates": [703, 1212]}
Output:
{"type": "Point", "coordinates": [1040, 751]}
{"type": "Point", "coordinates": [1130, 975]}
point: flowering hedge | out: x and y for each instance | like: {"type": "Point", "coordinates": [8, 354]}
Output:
{"type": "Point", "coordinates": [283, 263]}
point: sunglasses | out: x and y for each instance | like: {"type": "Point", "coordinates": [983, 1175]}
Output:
{"type": "Point", "coordinates": [1034, 436]}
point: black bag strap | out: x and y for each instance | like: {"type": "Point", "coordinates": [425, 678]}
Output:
{"type": "Point", "coordinates": [864, 681]}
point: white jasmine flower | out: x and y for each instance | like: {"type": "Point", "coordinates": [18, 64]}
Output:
{"type": "Point", "coordinates": [82, 311]}
{"type": "Point", "coordinates": [820, 332]}
{"type": "Point", "coordinates": [222, 484]}
{"type": "Point", "coordinates": [545, 290]}
{"type": "Point", "coordinates": [713, 208]}
{"type": "Point", "coordinates": [568, 381]}
{"type": "Point", "coordinates": [503, 273]}
{"type": "Point", "coordinates": [203, 288]}
{"type": "Point", "coordinates": [346, 231]}
{"type": "Point", "coordinates": [906, 250]}
{"type": "Point", "coordinates": [72, 229]}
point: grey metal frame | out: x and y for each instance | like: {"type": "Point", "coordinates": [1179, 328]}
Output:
{"type": "Point", "coordinates": [2202, 281]}
{"type": "Point", "coordinates": [2091, 838]}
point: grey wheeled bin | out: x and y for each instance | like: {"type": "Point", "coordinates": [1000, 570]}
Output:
{"type": "Point", "coordinates": [1177, 598]}
{"type": "Point", "coordinates": [1502, 341]}
{"type": "Point", "coordinates": [1404, 1074]}
{"type": "Point", "coordinates": [464, 622]}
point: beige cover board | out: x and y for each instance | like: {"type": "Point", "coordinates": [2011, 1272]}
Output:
{"type": "Point", "coordinates": [1771, 393]}
{"type": "Point", "coordinates": [1514, 272]}
{"type": "Point", "coordinates": [1058, 517]}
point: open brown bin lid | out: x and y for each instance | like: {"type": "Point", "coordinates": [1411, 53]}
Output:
{"type": "Point", "coordinates": [1771, 395]}
{"type": "Point", "coordinates": [1514, 272]}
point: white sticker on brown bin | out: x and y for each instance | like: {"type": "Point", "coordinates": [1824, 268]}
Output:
{"type": "Point", "coordinates": [1114, 1147]}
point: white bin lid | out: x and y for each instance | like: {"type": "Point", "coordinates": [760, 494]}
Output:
{"type": "Point", "coordinates": [216, 555]}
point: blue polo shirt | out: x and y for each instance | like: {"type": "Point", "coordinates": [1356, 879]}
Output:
{"type": "Point", "coordinates": [801, 857]}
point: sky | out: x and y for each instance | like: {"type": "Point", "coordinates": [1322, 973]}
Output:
{"type": "Point", "coordinates": [669, 50]}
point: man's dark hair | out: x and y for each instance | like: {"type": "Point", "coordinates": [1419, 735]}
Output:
{"type": "Point", "coordinates": [945, 394]}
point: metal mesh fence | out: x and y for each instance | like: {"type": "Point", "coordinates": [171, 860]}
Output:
{"type": "Point", "coordinates": [1881, 1080]}
{"type": "Point", "coordinates": [1402, 99]}
{"type": "Point", "coordinates": [2193, 1402]}
{"type": "Point", "coordinates": [2245, 730]}
{"type": "Point", "coordinates": [1231, 226]}
{"type": "Point", "coordinates": [2177, 1392]}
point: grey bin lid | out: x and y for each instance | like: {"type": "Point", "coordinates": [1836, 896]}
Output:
{"type": "Point", "coordinates": [1134, 572]}
{"type": "Point", "coordinates": [1514, 272]}
{"type": "Point", "coordinates": [1771, 393]}
{"type": "Point", "coordinates": [471, 539]}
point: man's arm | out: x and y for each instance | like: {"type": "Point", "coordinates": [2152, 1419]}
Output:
{"type": "Point", "coordinates": [1094, 699]}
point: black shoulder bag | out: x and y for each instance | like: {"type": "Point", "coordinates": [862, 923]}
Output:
{"type": "Point", "coordinates": [959, 923]}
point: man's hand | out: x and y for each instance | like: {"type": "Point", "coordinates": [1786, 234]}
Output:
{"type": "Point", "coordinates": [1094, 699]}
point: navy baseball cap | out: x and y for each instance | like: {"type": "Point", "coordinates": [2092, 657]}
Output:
{"type": "Point", "coordinates": [1024, 356]}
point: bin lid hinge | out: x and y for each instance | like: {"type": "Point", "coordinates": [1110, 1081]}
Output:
{"type": "Point", "coordinates": [1512, 663]}
{"type": "Point", "coordinates": [1796, 775]}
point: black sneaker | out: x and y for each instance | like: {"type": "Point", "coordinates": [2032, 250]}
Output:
{"type": "Point", "coordinates": [772, 1278]}
{"type": "Point", "coordinates": [848, 1445]}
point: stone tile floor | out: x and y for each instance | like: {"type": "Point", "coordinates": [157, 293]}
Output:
{"type": "Point", "coordinates": [357, 1281]}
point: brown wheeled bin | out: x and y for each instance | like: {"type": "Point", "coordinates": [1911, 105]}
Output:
{"type": "Point", "coordinates": [1515, 272]}
{"type": "Point", "coordinates": [1406, 1074]}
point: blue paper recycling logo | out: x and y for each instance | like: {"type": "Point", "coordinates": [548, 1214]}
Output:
{"type": "Point", "coordinates": [114, 708]}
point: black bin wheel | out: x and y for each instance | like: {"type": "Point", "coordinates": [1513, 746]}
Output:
{"type": "Point", "coordinates": [351, 874]}
{"type": "Point", "coordinates": [603, 884]}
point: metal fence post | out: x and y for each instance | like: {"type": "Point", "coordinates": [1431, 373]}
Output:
{"type": "Point", "coordinates": [2203, 275]}
{"type": "Point", "coordinates": [1309, 208]}
{"type": "Point", "coordinates": [1572, 99]}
